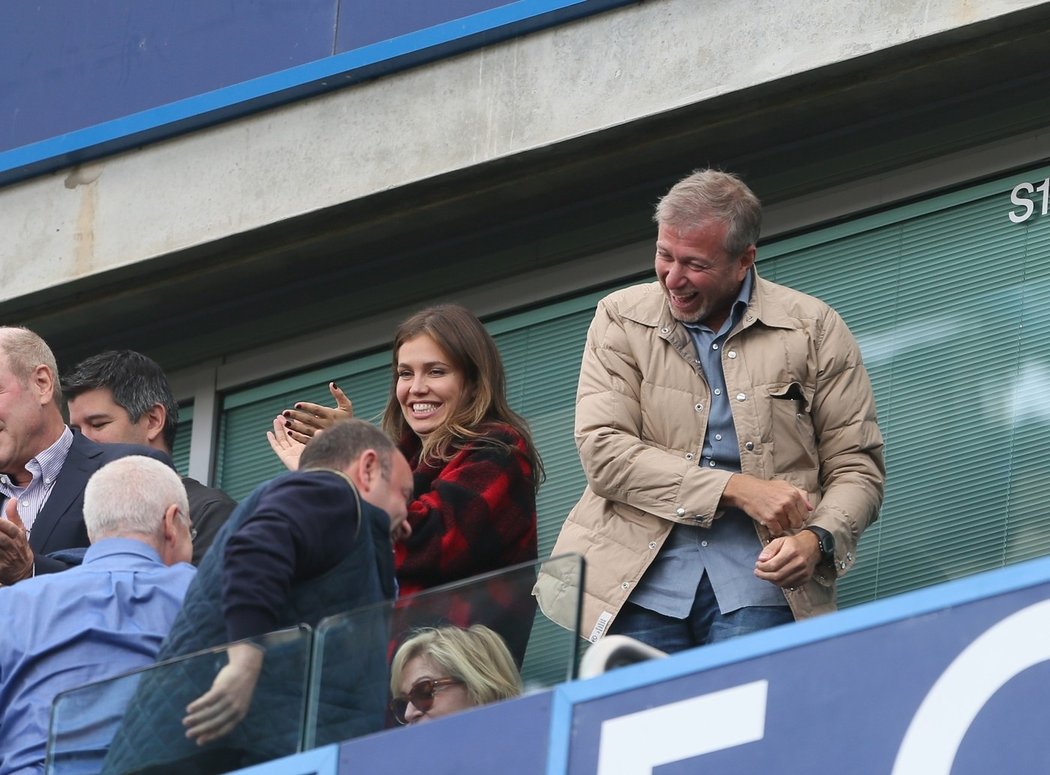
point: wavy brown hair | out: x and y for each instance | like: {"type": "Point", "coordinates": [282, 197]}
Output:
{"type": "Point", "coordinates": [472, 351]}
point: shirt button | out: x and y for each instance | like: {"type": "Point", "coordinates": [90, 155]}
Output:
{"type": "Point", "coordinates": [680, 511]}
{"type": "Point", "coordinates": [699, 407]}
{"type": "Point", "coordinates": [749, 446]}
{"type": "Point", "coordinates": [703, 543]}
{"type": "Point", "coordinates": [712, 464]}
{"type": "Point", "coordinates": [625, 585]}
{"type": "Point", "coordinates": [714, 346]}
{"type": "Point", "coordinates": [718, 391]}
{"type": "Point", "coordinates": [652, 544]}
{"type": "Point", "coordinates": [718, 437]}
{"type": "Point", "coordinates": [664, 330]}
{"type": "Point", "coordinates": [688, 455]}
{"type": "Point", "coordinates": [741, 397]}
{"type": "Point", "coordinates": [731, 353]}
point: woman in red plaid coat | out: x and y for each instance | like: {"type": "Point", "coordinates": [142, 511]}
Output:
{"type": "Point", "coordinates": [475, 466]}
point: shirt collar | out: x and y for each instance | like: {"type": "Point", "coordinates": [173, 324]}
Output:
{"type": "Point", "coordinates": [107, 547]}
{"type": "Point", "coordinates": [47, 465]}
{"type": "Point", "coordinates": [743, 297]}
{"type": "Point", "coordinates": [44, 467]}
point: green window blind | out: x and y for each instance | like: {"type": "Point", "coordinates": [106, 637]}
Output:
{"type": "Point", "coordinates": [180, 451]}
{"type": "Point", "coordinates": [948, 299]}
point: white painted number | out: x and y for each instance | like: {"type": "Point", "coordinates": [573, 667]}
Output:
{"type": "Point", "coordinates": [1003, 651]}
{"type": "Point", "coordinates": [636, 743]}
{"type": "Point", "coordinates": [1019, 198]}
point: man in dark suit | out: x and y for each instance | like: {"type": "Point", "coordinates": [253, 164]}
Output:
{"type": "Point", "coordinates": [44, 466]}
{"type": "Point", "coordinates": [123, 396]}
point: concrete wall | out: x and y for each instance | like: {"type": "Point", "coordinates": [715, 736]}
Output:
{"type": "Point", "coordinates": [492, 104]}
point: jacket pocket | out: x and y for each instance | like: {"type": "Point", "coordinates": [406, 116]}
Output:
{"type": "Point", "coordinates": [791, 428]}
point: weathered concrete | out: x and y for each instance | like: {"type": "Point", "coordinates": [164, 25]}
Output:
{"type": "Point", "coordinates": [530, 93]}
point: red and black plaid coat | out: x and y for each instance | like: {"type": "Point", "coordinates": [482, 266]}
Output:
{"type": "Point", "coordinates": [474, 514]}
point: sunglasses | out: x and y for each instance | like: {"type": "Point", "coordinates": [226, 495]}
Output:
{"type": "Point", "coordinates": [421, 695]}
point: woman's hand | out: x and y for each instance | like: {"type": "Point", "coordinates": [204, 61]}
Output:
{"type": "Point", "coordinates": [284, 446]}
{"type": "Point", "coordinates": [306, 419]}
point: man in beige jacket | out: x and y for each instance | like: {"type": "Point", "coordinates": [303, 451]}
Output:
{"type": "Point", "coordinates": [728, 432]}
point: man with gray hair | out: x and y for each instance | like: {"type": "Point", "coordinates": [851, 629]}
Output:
{"type": "Point", "coordinates": [102, 618]}
{"type": "Point", "coordinates": [44, 466]}
{"type": "Point", "coordinates": [728, 433]}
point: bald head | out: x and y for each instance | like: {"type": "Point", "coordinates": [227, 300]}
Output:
{"type": "Point", "coordinates": [30, 418]}
{"type": "Point", "coordinates": [138, 497]}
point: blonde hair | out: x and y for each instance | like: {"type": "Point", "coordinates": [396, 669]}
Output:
{"type": "Point", "coordinates": [475, 655]}
{"type": "Point", "coordinates": [473, 352]}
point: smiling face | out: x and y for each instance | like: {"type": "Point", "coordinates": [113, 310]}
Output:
{"type": "Point", "coordinates": [429, 388]}
{"type": "Point", "coordinates": [95, 414]}
{"type": "Point", "coordinates": [448, 698]}
{"type": "Point", "coordinates": [29, 420]}
{"type": "Point", "coordinates": [700, 280]}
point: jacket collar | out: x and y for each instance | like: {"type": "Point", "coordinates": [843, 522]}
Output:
{"type": "Point", "coordinates": [650, 309]}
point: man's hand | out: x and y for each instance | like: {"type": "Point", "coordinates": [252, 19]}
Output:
{"type": "Point", "coordinates": [306, 419]}
{"type": "Point", "coordinates": [789, 561]}
{"type": "Point", "coordinates": [778, 505]}
{"type": "Point", "coordinates": [219, 710]}
{"type": "Point", "coordinates": [16, 558]}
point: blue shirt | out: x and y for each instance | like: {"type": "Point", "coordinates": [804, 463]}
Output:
{"type": "Point", "coordinates": [64, 630]}
{"type": "Point", "coordinates": [728, 549]}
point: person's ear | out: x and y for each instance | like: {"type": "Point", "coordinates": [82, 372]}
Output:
{"type": "Point", "coordinates": [747, 258]}
{"type": "Point", "coordinates": [43, 382]}
{"type": "Point", "coordinates": [156, 419]}
{"type": "Point", "coordinates": [366, 468]}
{"type": "Point", "coordinates": [171, 526]}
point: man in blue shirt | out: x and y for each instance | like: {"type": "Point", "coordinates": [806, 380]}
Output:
{"type": "Point", "coordinates": [103, 618]}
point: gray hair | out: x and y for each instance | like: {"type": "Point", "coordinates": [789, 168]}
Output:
{"type": "Point", "coordinates": [24, 351]}
{"type": "Point", "coordinates": [713, 195]}
{"type": "Point", "coordinates": [130, 495]}
{"type": "Point", "coordinates": [341, 444]}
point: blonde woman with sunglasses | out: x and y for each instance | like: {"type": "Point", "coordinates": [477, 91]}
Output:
{"type": "Point", "coordinates": [443, 670]}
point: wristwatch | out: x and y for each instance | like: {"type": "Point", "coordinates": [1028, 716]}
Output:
{"type": "Point", "coordinates": [825, 540]}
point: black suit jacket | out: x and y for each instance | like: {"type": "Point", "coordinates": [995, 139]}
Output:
{"type": "Point", "coordinates": [60, 524]}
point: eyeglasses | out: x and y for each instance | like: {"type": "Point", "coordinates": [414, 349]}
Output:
{"type": "Point", "coordinates": [421, 695]}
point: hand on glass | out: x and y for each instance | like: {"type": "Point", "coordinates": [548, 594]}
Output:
{"type": "Point", "coordinates": [218, 711]}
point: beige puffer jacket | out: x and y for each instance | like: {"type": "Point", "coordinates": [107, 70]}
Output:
{"type": "Point", "coordinates": [803, 409]}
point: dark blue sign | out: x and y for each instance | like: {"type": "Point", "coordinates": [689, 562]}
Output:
{"type": "Point", "coordinates": [950, 680]}
{"type": "Point", "coordinates": [79, 80]}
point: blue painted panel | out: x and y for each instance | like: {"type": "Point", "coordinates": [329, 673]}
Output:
{"type": "Point", "coordinates": [362, 22]}
{"type": "Point", "coordinates": [243, 97]}
{"type": "Point", "coordinates": [947, 679]}
{"type": "Point", "coordinates": [507, 737]}
{"type": "Point", "coordinates": [70, 65]}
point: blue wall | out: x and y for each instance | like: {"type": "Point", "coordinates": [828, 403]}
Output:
{"type": "Point", "coordinates": [85, 78]}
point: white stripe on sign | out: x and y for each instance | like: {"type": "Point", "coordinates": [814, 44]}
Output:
{"type": "Point", "coordinates": [636, 743]}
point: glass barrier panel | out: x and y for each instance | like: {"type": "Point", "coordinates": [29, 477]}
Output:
{"type": "Point", "coordinates": [134, 723]}
{"type": "Point", "coordinates": [477, 641]}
